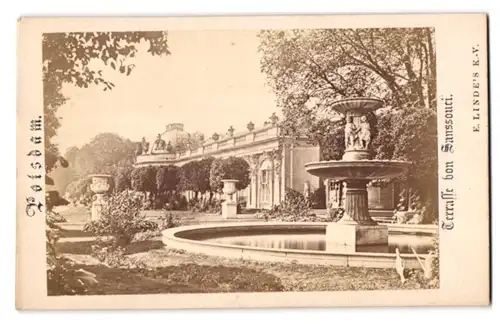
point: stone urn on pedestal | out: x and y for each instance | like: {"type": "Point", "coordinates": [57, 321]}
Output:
{"type": "Point", "coordinates": [229, 206]}
{"type": "Point", "coordinates": [100, 186]}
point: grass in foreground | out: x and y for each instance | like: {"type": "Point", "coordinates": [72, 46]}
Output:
{"type": "Point", "coordinates": [175, 271]}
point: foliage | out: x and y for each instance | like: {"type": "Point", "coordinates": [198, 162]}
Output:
{"type": "Point", "coordinates": [105, 153]}
{"type": "Point", "coordinates": [167, 178]}
{"type": "Point", "coordinates": [308, 70]}
{"type": "Point", "coordinates": [318, 198]}
{"type": "Point", "coordinates": [122, 219]}
{"type": "Point", "coordinates": [316, 67]}
{"type": "Point", "coordinates": [294, 208]}
{"type": "Point", "coordinates": [54, 217]}
{"type": "Point", "coordinates": [79, 191]}
{"type": "Point", "coordinates": [187, 176]}
{"type": "Point", "coordinates": [66, 60]}
{"type": "Point", "coordinates": [62, 277]}
{"type": "Point", "coordinates": [169, 221]}
{"type": "Point", "coordinates": [114, 256]}
{"type": "Point", "coordinates": [195, 175]}
{"type": "Point", "coordinates": [230, 168]}
{"type": "Point", "coordinates": [123, 179]}
{"type": "Point", "coordinates": [144, 179]}
{"type": "Point", "coordinates": [203, 205]}
{"type": "Point", "coordinates": [174, 201]}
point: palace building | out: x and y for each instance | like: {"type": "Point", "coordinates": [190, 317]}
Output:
{"type": "Point", "coordinates": [275, 164]}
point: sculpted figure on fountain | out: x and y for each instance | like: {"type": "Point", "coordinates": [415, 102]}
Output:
{"type": "Point", "coordinates": [351, 134]}
{"type": "Point", "coordinates": [365, 135]}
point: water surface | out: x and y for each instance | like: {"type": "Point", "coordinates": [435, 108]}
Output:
{"type": "Point", "coordinates": [317, 242]}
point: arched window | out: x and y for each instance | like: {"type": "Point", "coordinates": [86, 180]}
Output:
{"type": "Point", "coordinates": [266, 177]}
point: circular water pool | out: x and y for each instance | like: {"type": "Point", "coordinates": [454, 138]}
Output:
{"type": "Point", "coordinates": [299, 242]}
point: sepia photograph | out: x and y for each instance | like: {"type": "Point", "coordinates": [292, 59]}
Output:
{"type": "Point", "coordinates": [309, 155]}
{"type": "Point", "coordinates": [242, 160]}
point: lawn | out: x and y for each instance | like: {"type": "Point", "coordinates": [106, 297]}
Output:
{"type": "Point", "coordinates": [176, 271]}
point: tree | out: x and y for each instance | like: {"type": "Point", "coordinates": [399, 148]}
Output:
{"type": "Point", "coordinates": [231, 168]}
{"type": "Point", "coordinates": [105, 153]}
{"type": "Point", "coordinates": [195, 176]}
{"type": "Point", "coordinates": [319, 66]}
{"type": "Point", "coordinates": [308, 70]}
{"type": "Point", "coordinates": [144, 179]}
{"type": "Point", "coordinates": [123, 179]}
{"type": "Point", "coordinates": [66, 59]}
{"type": "Point", "coordinates": [79, 190]}
{"type": "Point", "coordinates": [203, 174]}
{"type": "Point", "coordinates": [167, 178]}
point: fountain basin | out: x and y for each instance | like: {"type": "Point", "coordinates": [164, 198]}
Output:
{"type": "Point", "coordinates": [357, 170]}
{"type": "Point", "coordinates": [360, 105]}
{"type": "Point", "coordinates": [199, 239]}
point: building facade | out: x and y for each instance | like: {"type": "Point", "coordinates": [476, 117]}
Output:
{"type": "Point", "coordinates": [275, 164]}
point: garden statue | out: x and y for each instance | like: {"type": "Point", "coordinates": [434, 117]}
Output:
{"type": "Point", "coordinates": [274, 119]}
{"type": "Point", "coordinates": [230, 131]}
{"type": "Point", "coordinates": [169, 147]}
{"type": "Point", "coordinates": [250, 126]}
{"type": "Point", "coordinates": [351, 134]}
{"type": "Point", "coordinates": [138, 150]}
{"type": "Point", "coordinates": [143, 147]}
{"type": "Point", "coordinates": [307, 189]}
{"type": "Point", "coordinates": [364, 133]}
{"type": "Point", "coordinates": [159, 144]}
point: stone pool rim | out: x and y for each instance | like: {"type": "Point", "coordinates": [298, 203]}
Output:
{"type": "Point", "coordinates": [171, 238]}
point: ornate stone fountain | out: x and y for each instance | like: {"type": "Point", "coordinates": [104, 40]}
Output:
{"type": "Point", "coordinates": [357, 169]}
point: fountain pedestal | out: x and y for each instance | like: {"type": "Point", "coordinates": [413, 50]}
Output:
{"type": "Point", "coordinates": [356, 228]}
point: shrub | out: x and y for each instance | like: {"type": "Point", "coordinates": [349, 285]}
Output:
{"type": "Point", "coordinates": [294, 208]}
{"type": "Point", "coordinates": [318, 198]}
{"type": "Point", "coordinates": [114, 256]}
{"type": "Point", "coordinates": [121, 218]}
{"type": "Point", "coordinates": [174, 201]}
{"type": "Point", "coordinates": [169, 221]}
{"type": "Point", "coordinates": [55, 217]}
{"type": "Point", "coordinates": [213, 206]}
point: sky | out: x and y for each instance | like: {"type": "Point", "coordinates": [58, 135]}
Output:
{"type": "Point", "coordinates": [211, 81]}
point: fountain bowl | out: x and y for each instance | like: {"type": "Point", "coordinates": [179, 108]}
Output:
{"type": "Point", "coordinates": [363, 105]}
{"type": "Point", "coordinates": [357, 170]}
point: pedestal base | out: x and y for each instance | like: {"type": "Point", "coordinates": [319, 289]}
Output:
{"type": "Point", "coordinates": [356, 237]}
{"type": "Point", "coordinates": [229, 209]}
{"type": "Point", "coordinates": [96, 210]}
